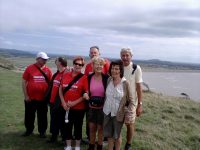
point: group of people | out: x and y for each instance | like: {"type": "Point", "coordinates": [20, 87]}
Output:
{"type": "Point", "coordinates": [108, 93]}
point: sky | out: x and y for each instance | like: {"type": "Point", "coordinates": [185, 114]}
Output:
{"type": "Point", "coordinates": [153, 29]}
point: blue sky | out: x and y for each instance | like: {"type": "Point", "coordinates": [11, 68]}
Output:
{"type": "Point", "coordinates": [154, 29]}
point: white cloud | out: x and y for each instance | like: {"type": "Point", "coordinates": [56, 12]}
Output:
{"type": "Point", "coordinates": [149, 26]}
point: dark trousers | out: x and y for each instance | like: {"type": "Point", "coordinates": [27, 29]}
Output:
{"type": "Point", "coordinates": [75, 121]}
{"type": "Point", "coordinates": [57, 121]}
{"type": "Point", "coordinates": [30, 110]}
{"type": "Point", "coordinates": [87, 124]}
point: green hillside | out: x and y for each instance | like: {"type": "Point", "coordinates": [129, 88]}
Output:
{"type": "Point", "coordinates": [168, 123]}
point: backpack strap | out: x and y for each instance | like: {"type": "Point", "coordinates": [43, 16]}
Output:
{"type": "Point", "coordinates": [72, 82]}
{"type": "Point", "coordinates": [49, 90]}
{"type": "Point", "coordinates": [134, 66]}
{"type": "Point", "coordinates": [54, 75]}
{"type": "Point", "coordinates": [45, 76]}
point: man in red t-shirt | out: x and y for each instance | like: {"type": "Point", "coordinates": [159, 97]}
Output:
{"type": "Point", "coordinates": [35, 81]}
{"type": "Point", "coordinates": [94, 52]}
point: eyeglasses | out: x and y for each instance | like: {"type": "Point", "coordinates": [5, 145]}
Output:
{"type": "Point", "coordinates": [81, 65]}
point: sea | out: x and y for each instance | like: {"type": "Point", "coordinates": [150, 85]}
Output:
{"type": "Point", "coordinates": [174, 83]}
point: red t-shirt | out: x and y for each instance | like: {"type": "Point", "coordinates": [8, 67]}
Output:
{"type": "Point", "coordinates": [89, 68]}
{"type": "Point", "coordinates": [76, 91]}
{"type": "Point", "coordinates": [56, 84]}
{"type": "Point", "coordinates": [36, 83]}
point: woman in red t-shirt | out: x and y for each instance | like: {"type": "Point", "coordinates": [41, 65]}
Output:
{"type": "Point", "coordinates": [73, 101]}
{"type": "Point", "coordinates": [56, 124]}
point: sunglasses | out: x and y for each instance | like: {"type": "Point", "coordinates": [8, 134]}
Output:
{"type": "Point", "coordinates": [77, 64]}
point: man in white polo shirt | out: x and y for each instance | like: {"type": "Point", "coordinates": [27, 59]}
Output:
{"type": "Point", "coordinates": [133, 74]}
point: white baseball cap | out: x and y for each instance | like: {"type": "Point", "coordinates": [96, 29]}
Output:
{"type": "Point", "coordinates": [42, 55]}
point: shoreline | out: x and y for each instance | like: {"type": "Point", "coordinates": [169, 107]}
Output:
{"type": "Point", "coordinates": [151, 88]}
{"type": "Point", "coordinates": [152, 69]}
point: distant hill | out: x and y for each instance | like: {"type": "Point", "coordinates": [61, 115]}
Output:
{"type": "Point", "coordinates": [153, 63]}
{"type": "Point", "coordinates": [15, 53]}
{"type": "Point", "coordinates": [20, 53]}
{"type": "Point", "coordinates": [156, 63]}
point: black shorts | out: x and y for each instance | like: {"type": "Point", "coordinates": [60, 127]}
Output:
{"type": "Point", "coordinates": [96, 116]}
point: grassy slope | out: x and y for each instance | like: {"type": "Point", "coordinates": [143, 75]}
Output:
{"type": "Point", "coordinates": [167, 122]}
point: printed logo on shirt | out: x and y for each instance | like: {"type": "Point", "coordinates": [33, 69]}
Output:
{"type": "Point", "coordinates": [56, 83]}
{"type": "Point", "coordinates": [38, 78]}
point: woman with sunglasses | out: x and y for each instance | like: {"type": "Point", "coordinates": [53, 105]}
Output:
{"type": "Point", "coordinates": [73, 101]}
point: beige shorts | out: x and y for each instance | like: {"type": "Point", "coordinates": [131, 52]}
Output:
{"type": "Point", "coordinates": [130, 116]}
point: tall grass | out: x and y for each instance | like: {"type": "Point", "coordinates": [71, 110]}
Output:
{"type": "Point", "coordinates": [167, 123]}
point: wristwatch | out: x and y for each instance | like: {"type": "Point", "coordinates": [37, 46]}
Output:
{"type": "Point", "coordinates": [139, 103]}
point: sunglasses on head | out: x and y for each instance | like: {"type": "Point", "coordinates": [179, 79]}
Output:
{"type": "Point", "coordinates": [81, 65]}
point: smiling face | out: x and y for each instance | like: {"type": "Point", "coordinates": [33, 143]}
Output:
{"type": "Point", "coordinates": [98, 66]}
{"type": "Point", "coordinates": [78, 65]}
{"type": "Point", "coordinates": [41, 61]}
{"type": "Point", "coordinates": [126, 57]}
{"type": "Point", "coordinates": [115, 71]}
{"type": "Point", "coordinates": [94, 52]}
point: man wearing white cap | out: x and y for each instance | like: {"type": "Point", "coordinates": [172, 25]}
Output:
{"type": "Point", "coordinates": [35, 81]}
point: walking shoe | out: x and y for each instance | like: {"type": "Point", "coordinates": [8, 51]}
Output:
{"type": "Point", "coordinates": [42, 135]}
{"type": "Point", "coordinates": [53, 139]}
{"type": "Point", "coordinates": [67, 148]}
{"type": "Point", "coordinates": [91, 147]}
{"type": "Point", "coordinates": [85, 141]}
{"type": "Point", "coordinates": [127, 147]}
{"type": "Point", "coordinates": [99, 147]}
{"type": "Point", "coordinates": [105, 139]}
{"type": "Point", "coordinates": [26, 134]}
{"type": "Point", "coordinates": [77, 148]}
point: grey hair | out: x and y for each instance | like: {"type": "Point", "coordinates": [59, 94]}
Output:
{"type": "Point", "coordinates": [127, 49]}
